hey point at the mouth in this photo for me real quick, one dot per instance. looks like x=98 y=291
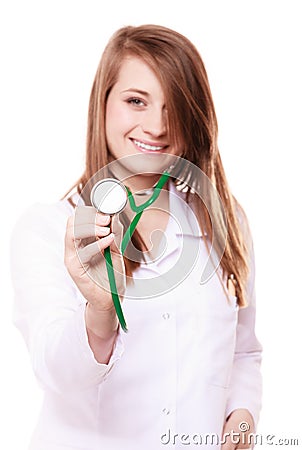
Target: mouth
x=148 y=147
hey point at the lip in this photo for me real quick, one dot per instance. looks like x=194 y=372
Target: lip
x=152 y=143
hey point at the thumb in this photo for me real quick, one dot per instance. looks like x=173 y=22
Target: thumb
x=226 y=441
x=118 y=231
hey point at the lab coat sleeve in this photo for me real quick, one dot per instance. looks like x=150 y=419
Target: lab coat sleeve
x=48 y=308
x=246 y=380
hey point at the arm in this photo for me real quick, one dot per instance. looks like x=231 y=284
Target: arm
x=246 y=380
x=87 y=268
x=245 y=392
x=102 y=331
x=49 y=310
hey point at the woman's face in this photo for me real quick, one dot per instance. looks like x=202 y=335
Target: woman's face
x=136 y=116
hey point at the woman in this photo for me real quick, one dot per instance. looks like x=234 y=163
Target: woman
x=189 y=366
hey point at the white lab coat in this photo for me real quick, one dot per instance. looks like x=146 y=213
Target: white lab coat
x=189 y=359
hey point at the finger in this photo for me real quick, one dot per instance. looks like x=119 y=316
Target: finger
x=102 y=219
x=227 y=443
x=226 y=440
x=89 y=230
x=117 y=229
x=86 y=253
x=88 y=214
x=76 y=235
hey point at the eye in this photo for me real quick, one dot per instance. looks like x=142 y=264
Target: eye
x=136 y=101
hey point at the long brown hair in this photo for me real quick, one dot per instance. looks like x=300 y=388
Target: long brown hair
x=191 y=119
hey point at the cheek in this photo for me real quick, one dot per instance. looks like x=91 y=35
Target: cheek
x=118 y=120
x=111 y=123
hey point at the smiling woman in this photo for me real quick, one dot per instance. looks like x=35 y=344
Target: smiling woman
x=191 y=361
x=137 y=100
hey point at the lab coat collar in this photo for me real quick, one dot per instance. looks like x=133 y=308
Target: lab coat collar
x=180 y=212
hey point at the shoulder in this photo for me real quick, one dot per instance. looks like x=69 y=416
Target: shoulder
x=43 y=219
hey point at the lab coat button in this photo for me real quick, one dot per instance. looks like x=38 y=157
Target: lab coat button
x=166 y=316
x=166 y=411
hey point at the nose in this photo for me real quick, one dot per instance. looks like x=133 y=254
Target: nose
x=154 y=122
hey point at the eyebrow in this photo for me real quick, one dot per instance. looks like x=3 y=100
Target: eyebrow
x=138 y=91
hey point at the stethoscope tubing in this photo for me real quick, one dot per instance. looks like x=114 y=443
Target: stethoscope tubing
x=125 y=241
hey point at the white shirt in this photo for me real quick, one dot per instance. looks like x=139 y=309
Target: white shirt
x=189 y=359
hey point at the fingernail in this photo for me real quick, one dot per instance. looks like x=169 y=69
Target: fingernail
x=104 y=231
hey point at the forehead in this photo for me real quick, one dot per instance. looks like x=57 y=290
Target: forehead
x=135 y=73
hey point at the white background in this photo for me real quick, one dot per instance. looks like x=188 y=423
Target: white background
x=252 y=51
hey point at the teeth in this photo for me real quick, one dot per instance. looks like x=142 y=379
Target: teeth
x=146 y=146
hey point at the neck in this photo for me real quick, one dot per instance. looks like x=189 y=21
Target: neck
x=137 y=183
x=131 y=171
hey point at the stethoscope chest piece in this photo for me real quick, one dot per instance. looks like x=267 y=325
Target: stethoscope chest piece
x=109 y=196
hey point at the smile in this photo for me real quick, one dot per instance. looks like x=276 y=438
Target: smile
x=148 y=147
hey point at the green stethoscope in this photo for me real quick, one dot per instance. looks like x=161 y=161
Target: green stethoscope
x=110 y=196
